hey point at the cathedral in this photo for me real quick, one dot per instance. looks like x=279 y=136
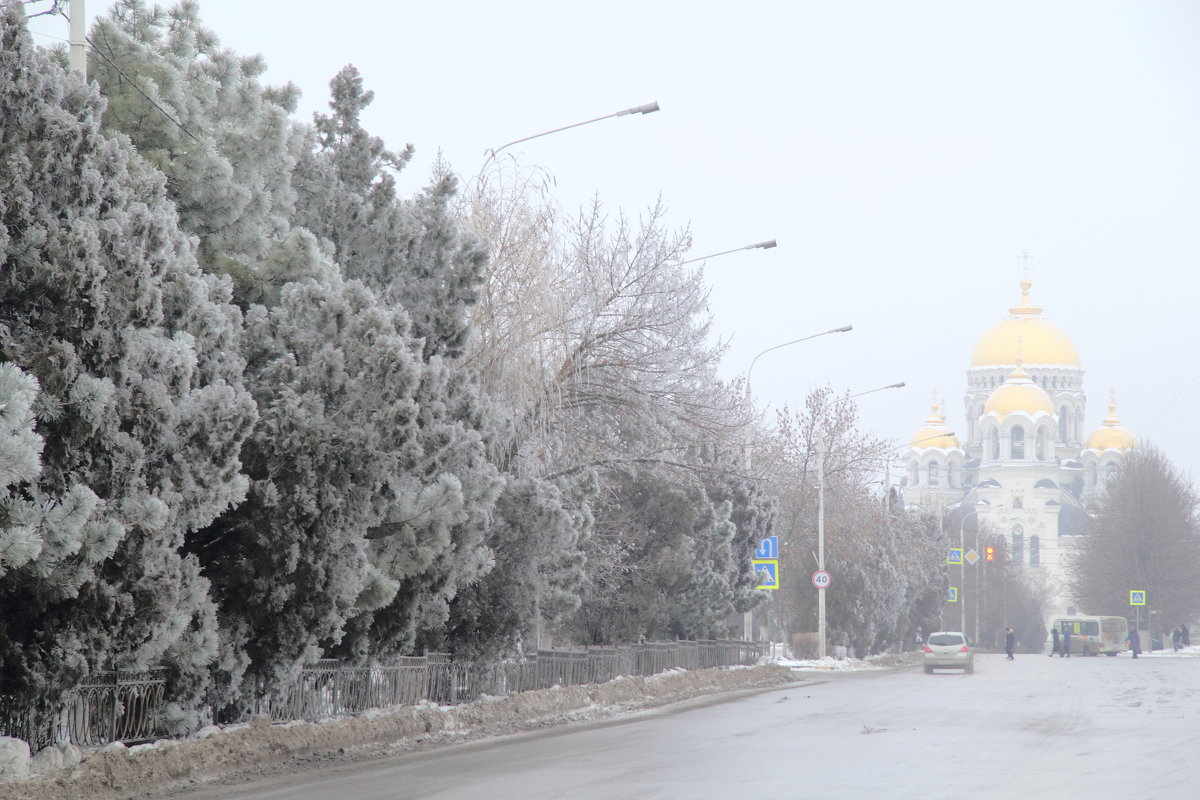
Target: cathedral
x=1022 y=465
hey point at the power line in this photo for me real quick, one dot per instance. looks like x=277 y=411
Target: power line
x=138 y=89
x=1183 y=391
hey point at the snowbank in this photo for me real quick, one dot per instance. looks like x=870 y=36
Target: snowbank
x=116 y=773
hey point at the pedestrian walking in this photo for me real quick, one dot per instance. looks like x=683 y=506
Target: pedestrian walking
x=1066 y=643
x=1135 y=642
x=1187 y=636
x=920 y=641
x=1176 y=639
x=1009 y=642
x=1055 y=643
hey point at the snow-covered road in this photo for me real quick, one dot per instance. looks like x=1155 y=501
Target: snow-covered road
x=1034 y=727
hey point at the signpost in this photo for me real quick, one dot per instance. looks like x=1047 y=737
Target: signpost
x=821 y=579
x=952 y=595
x=954 y=556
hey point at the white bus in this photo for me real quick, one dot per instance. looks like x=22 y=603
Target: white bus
x=1091 y=636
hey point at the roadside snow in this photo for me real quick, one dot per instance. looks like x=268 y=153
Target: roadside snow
x=259 y=748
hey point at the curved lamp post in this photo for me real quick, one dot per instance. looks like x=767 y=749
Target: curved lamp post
x=843 y=329
x=767 y=245
x=648 y=108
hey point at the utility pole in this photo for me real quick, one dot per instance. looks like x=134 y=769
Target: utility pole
x=820 y=443
x=77 y=36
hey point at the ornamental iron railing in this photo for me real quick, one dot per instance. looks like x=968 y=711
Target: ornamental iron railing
x=128 y=706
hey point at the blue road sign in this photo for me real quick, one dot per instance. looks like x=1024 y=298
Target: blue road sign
x=954 y=556
x=952 y=595
x=768 y=548
x=1137 y=597
x=767 y=571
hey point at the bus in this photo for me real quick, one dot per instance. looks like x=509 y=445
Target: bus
x=1091 y=636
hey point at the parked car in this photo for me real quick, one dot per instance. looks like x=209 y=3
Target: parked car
x=948 y=650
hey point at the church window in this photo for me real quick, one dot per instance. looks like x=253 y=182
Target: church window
x=1018 y=501
x=951 y=475
x=1035 y=551
x=933 y=474
x=995 y=444
x=1062 y=424
x=1018 y=544
x=1018 y=443
x=1041 y=445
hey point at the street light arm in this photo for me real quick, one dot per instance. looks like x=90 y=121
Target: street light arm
x=767 y=245
x=648 y=108
x=843 y=329
x=899 y=385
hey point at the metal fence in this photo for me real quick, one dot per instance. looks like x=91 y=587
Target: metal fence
x=128 y=706
x=121 y=705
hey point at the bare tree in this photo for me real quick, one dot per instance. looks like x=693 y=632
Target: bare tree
x=1144 y=535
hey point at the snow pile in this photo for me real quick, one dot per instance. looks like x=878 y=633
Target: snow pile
x=882 y=661
x=118 y=772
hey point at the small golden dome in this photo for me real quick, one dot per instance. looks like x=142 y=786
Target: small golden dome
x=1018 y=393
x=934 y=433
x=1042 y=342
x=1111 y=435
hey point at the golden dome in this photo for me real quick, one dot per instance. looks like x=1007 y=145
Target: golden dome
x=1018 y=393
x=1042 y=342
x=934 y=434
x=1111 y=435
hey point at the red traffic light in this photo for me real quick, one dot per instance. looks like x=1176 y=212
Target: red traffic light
x=991 y=553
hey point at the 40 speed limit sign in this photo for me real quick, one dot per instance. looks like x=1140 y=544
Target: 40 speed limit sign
x=821 y=579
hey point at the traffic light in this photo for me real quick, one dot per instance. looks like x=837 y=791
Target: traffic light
x=990 y=553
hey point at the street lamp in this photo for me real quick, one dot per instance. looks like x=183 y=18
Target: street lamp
x=899 y=385
x=649 y=108
x=843 y=329
x=767 y=245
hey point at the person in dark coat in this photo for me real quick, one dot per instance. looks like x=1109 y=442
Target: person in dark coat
x=1176 y=639
x=1187 y=636
x=1066 y=642
x=1056 y=645
x=1135 y=642
x=1009 y=642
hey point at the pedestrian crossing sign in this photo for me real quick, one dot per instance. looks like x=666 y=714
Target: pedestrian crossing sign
x=1137 y=597
x=952 y=595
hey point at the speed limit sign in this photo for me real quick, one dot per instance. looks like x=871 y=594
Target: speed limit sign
x=821 y=579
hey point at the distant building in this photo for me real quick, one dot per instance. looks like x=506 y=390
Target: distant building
x=1023 y=466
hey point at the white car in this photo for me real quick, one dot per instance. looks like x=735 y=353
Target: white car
x=948 y=650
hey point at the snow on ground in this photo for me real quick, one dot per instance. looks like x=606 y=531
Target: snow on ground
x=245 y=751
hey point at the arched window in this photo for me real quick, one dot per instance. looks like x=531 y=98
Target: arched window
x=952 y=479
x=933 y=474
x=1041 y=445
x=1062 y=424
x=1018 y=443
x=1035 y=551
x=995 y=445
x=1018 y=544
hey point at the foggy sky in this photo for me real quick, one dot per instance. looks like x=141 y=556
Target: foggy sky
x=904 y=156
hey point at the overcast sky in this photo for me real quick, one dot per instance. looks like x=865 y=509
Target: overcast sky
x=904 y=155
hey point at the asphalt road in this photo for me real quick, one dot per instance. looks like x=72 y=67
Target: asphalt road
x=1031 y=728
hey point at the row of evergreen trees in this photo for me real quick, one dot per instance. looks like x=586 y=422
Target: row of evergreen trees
x=257 y=409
